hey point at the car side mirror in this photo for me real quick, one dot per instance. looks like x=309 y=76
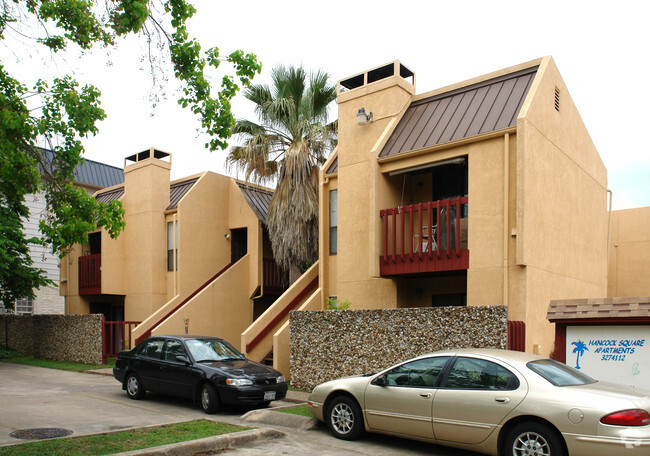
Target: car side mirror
x=380 y=381
x=183 y=359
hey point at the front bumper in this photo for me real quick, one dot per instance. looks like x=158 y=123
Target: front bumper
x=251 y=394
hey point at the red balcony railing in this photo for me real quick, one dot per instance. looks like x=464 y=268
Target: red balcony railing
x=90 y=274
x=116 y=336
x=425 y=237
x=275 y=279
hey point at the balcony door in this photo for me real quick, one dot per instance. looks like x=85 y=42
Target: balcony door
x=238 y=244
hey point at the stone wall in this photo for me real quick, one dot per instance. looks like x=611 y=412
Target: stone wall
x=75 y=338
x=331 y=344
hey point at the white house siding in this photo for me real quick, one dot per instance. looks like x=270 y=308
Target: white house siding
x=47 y=299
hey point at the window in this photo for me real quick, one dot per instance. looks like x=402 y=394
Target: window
x=422 y=373
x=172 y=247
x=334 y=220
x=479 y=374
x=24 y=306
x=173 y=349
x=153 y=349
x=559 y=374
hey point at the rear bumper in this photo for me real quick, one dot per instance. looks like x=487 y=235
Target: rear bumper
x=631 y=445
x=118 y=373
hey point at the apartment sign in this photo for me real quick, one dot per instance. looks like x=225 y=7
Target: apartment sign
x=619 y=354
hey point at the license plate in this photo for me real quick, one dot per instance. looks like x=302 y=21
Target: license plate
x=269 y=395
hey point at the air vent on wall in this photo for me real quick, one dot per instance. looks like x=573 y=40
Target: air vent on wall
x=557 y=99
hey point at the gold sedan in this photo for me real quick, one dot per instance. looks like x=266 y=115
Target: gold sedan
x=495 y=402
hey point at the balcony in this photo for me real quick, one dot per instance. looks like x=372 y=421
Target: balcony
x=90 y=274
x=425 y=238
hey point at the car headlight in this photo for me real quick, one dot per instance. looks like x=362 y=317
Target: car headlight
x=280 y=379
x=238 y=382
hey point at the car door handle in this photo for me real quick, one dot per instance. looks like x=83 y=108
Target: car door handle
x=425 y=395
x=502 y=400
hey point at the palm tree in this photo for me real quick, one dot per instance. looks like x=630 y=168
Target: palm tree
x=580 y=350
x=292 y=139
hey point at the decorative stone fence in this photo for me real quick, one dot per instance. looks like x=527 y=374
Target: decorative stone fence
x=336 y=343
x=75 y=338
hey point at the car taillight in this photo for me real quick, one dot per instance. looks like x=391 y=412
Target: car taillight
x=634 y=417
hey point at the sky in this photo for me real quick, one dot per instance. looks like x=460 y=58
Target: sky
x=600 y=49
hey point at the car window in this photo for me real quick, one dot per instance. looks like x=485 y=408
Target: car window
x=473 y=373
x=174 y=348
x=153 y=348
x=422 y=373
x=212 y=350
x=559 y=374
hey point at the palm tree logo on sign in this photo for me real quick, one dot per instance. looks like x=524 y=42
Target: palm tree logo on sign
x=579 y=350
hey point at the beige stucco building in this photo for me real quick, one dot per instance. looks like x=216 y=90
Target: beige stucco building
x=487 y=192
x=193 y=250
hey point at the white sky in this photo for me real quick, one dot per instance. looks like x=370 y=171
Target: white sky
x=600 y=48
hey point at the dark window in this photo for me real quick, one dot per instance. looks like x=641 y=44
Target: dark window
x=238 y=244
x=334 y=220
x=480 y=374
x=174 y=348
x=422 y=373
x=95 y=243
x=153 y=349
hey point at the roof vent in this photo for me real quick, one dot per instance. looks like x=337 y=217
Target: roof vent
x=377 y=74
x=557 y=99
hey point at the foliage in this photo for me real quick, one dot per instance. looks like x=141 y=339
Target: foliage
x=118 y=442
x=335 y=304
x=292 y=139
x=8 y=352
x=57 y=114
x=302 y=410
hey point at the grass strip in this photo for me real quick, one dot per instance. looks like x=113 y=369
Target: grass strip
x=134 y=439
x=14 y=357
x=303 y=410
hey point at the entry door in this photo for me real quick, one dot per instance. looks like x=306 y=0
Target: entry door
x=403 y=402
x=473 y=399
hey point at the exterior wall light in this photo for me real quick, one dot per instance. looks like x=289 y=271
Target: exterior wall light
x=227 y=236
x=363 y=118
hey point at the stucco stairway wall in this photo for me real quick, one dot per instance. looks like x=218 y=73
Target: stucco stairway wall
x=336 y=343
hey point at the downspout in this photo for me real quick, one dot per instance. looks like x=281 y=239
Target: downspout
x=609 y=222
x=175 y=268
x=260 y=260
x=506 y=215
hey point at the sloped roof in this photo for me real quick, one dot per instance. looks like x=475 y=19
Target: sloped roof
x=110 y=195
x=259 y=199
x=574 y=309
x=178 y=190
x=333 y=167
x=461 y=113
x=98 y=174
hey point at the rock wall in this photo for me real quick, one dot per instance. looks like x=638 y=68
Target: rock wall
x=75 y=338
x=336 y=343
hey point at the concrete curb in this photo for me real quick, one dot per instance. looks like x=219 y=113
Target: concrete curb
x=209 y=443
x=280 y=419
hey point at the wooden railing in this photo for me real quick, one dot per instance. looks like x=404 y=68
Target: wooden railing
x=425 y=237
x=90 y=274
x=116 y=336
x=517 y=335
x=275 y=280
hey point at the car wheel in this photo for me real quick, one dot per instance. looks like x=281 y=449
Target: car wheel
x=534 y=439
x=209 y=398
x=344 y=418
x=134 y=388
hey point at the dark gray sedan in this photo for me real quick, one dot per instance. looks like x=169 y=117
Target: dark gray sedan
x=207 y=370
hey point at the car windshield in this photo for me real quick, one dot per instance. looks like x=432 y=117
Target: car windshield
x=212 y=350
x=559 y=374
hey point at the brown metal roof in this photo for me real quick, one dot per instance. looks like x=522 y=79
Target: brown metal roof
x=333 y=167
x=178 y=190
x=259 y=199
x=573 y=309
x=110 y=195
x=468 y=111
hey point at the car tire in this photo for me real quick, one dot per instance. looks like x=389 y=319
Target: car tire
x=209 y=398
x=530 y=438
x=133 y=387
x=344 y=418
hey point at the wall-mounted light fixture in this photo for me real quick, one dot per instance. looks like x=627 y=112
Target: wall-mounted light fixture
x=363 y=118
x=227 y=236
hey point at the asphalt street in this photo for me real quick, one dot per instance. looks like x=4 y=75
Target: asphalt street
x=34 y=397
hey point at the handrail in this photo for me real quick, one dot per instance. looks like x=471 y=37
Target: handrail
x=185 y=301
x=280 y=315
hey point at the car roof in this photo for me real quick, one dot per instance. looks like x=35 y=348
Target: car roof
x=510 y=356
x=185 y=336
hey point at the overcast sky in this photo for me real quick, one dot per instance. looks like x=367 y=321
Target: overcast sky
x=600 y=48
